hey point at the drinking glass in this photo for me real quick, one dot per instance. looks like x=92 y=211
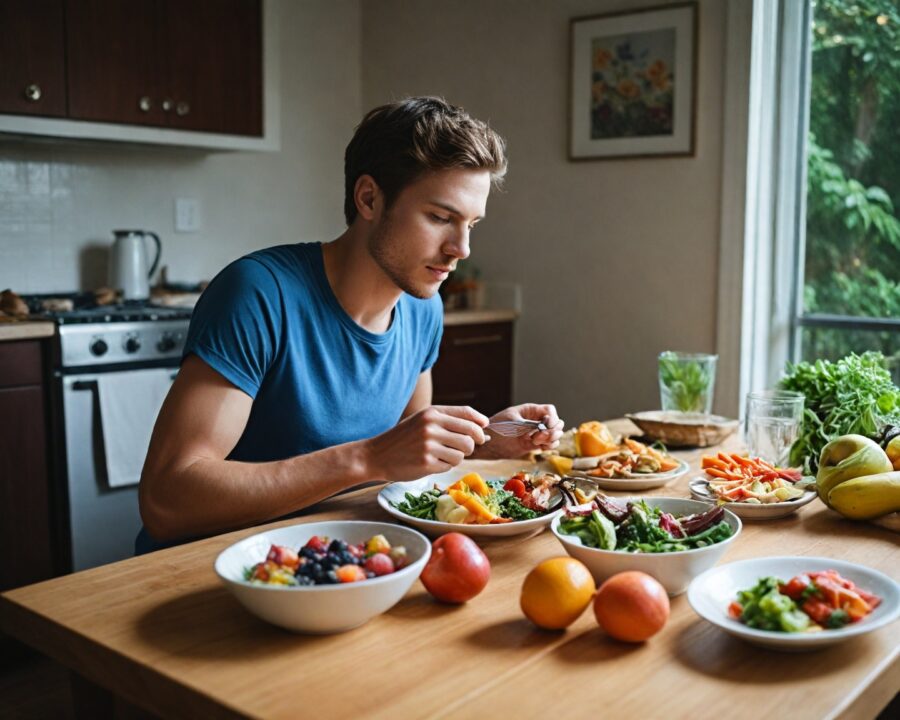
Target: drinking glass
x=773 y=424
x=687 y=381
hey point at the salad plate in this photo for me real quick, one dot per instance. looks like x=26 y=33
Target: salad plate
x=699 y=488
x=397 y=493
x=711 y=594
x=637 y=481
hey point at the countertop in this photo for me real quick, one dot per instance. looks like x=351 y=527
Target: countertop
x=474 y=317
x=163 y=632
x=26 y=330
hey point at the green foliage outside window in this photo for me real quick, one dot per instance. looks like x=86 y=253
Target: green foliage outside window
x=853 y=189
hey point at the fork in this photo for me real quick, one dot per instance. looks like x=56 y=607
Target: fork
x=516 y=428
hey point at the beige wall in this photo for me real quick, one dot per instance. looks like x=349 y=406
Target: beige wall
x=617 y=259
x=59 y=200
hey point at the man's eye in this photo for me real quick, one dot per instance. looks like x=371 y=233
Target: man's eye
x=440 y=219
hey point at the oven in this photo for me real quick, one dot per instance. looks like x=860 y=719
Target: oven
x=112 y=369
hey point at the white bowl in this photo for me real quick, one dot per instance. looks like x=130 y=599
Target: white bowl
x=321 y=609
x=395 y=492
x=711 y=593
x=674 y=570
x=638 y=481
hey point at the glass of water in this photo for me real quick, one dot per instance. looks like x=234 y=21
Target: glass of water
x=773 y=424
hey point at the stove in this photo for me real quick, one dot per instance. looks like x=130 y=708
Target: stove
x=112 y=366
x=134 y=333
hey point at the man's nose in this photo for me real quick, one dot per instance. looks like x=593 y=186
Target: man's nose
x=458 y=246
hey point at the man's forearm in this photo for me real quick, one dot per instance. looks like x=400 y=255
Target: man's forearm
x=201 y=496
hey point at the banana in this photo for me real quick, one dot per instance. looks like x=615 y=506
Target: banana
x=867 y=497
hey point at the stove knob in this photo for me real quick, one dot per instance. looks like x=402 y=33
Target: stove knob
x=166 y=344
x=99 y=347
x=132 y=345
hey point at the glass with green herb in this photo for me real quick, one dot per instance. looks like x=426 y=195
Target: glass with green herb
x=687 y=381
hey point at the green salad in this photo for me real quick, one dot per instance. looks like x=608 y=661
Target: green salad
x=639 y=528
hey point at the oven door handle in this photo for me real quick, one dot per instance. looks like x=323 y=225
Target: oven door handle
x=92 y=384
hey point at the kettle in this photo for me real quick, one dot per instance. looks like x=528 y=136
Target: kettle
x=129 y=264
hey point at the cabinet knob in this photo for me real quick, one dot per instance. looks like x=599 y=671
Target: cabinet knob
x=182 y=108
x=33 y=92
x=145 y=104
x=167 y=104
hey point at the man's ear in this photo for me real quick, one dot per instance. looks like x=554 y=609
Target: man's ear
x=368 y=197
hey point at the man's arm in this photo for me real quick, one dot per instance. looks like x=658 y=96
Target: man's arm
x=188 y=488
x=422 y=395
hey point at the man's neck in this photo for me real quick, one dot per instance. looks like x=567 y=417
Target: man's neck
x=361 y=287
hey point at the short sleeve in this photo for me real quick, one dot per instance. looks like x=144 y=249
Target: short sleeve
x=236 y=326
x=437 y=330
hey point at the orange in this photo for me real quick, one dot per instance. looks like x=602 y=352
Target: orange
x=631 y=606
x=556 y=592
x=594 y=438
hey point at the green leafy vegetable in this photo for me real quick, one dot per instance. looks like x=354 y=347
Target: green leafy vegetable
x=639 y=532
x=688 y=382
x=854 y=395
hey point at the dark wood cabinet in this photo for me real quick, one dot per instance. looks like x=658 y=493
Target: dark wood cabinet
x=32 y=63
x=113 y=51
x=475 y=366
x=25 y=533
x=185 y=64
x=214 y=74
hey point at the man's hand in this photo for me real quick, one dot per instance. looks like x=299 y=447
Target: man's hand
x=432 y=440
x=515 y=447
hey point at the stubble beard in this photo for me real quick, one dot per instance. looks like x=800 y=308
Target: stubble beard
x=387 y=254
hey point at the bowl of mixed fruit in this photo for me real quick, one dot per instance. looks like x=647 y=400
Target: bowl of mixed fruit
x=323 y=577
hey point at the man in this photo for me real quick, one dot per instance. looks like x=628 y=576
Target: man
x=307 y=368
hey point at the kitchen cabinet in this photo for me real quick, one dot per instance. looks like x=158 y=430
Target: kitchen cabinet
x=25 y=531
x=185 y=64
x=474 y=366
x=32 y=65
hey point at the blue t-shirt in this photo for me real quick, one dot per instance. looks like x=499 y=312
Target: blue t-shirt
x=271 y=325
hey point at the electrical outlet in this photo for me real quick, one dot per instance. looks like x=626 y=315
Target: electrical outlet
x=187 y=215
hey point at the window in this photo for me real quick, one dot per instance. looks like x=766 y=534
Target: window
x=848 y=295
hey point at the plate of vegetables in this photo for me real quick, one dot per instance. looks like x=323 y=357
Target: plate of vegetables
x=752 y=487
x=466 y=502
x=614 y=462
x=795 y=603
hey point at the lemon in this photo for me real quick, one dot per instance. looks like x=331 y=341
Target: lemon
x=561 y=465
x=556 y=592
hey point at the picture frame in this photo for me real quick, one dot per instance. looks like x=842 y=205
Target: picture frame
x=633 y=83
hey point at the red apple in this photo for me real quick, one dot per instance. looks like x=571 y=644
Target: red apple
x=458 y=569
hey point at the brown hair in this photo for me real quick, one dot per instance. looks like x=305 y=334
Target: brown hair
x=399 y=142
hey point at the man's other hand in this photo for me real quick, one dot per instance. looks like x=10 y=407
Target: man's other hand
x=515 y=447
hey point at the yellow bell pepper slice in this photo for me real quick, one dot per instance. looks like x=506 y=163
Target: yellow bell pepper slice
x=473 y=504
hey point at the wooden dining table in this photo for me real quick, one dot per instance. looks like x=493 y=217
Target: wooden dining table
x=162 y=633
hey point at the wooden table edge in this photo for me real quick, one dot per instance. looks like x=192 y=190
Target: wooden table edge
x=135 y=684
x=873 y=693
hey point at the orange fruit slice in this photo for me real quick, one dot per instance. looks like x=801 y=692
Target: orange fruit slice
x=556 y=592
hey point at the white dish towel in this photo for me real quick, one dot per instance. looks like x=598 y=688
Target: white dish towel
x=129 y=404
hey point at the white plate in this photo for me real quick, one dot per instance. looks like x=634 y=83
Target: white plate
x=640 y=482
x=710 y=594
x=395 y=493
x=751 y=511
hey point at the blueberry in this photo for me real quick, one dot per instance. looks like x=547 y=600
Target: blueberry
x=337 y=546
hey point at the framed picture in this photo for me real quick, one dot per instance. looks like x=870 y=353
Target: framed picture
x=633 y=83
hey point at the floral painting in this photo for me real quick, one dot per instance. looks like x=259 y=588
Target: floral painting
x=632 y=86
